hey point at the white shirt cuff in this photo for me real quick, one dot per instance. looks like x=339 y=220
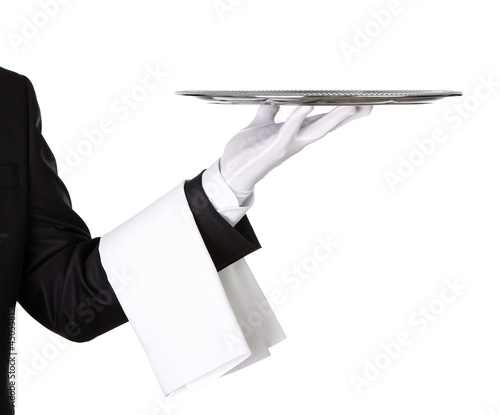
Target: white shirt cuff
x=222 y=197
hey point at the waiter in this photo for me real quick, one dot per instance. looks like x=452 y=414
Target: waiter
x=190 y=288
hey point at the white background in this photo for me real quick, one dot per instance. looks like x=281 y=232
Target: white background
x=397 y=247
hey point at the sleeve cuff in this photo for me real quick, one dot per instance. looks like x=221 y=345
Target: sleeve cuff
x=222 y=197
x=225 y=243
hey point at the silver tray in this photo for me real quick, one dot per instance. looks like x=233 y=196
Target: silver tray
x=322 y=97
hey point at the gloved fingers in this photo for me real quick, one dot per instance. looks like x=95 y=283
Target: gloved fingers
x=325 y=124
x=361 y=111
x=294 y=121
x=365 y=110
x=307 y=121
x=313 y=118
x=265 y=115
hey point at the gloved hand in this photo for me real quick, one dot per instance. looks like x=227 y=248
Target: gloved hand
x=264 y=144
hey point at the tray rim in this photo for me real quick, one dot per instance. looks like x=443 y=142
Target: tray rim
x=321 y=97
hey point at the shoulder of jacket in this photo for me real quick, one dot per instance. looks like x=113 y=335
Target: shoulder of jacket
x=7 y=75
x=13 y=87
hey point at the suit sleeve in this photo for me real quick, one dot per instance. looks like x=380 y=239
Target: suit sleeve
x=64 y=285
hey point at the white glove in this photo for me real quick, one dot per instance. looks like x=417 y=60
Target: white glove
x=264 y=144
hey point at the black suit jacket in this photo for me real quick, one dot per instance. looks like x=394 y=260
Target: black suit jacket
x=49 y=262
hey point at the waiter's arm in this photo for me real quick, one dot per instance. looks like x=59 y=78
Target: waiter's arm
x=65 y=286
